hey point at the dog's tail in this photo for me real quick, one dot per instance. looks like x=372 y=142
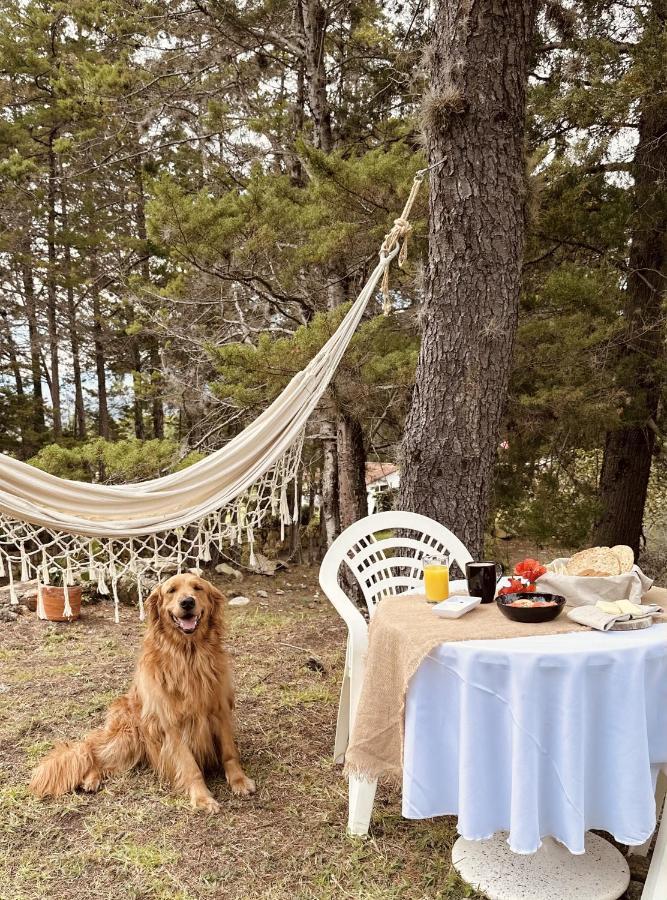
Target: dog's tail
x=63 y=770
x=116 y=747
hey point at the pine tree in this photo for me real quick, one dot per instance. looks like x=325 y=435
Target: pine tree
x=475 y=113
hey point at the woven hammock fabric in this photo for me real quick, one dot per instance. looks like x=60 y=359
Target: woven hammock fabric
x=175 y=500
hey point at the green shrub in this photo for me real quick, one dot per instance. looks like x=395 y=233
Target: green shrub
x=551 y=502
x=114 y=462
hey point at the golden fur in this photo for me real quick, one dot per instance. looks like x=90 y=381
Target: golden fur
x=177 y=716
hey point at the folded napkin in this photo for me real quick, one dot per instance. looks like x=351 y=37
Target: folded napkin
x=604 y=615
x=593 y=617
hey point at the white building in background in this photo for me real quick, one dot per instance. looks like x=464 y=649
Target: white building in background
x=380 y=478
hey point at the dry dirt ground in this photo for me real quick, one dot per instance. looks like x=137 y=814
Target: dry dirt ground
x=135 y=839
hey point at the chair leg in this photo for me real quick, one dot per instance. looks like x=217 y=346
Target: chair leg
x=656 y=879
x=660 y=792
x=343 y=723
x=362 y=795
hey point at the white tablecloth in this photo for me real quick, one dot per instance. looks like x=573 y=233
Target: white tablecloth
x=540 y=736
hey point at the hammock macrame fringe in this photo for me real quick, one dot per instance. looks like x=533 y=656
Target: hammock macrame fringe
x=44 y=554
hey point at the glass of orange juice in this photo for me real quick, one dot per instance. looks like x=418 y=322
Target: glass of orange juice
x=436 y=578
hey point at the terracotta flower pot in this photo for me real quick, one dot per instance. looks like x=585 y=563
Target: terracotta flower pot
x=53 y=601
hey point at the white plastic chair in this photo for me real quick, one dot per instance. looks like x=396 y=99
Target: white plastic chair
x=656 y=878
x=382 y=566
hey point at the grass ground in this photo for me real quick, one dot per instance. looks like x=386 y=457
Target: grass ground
x=135 y=840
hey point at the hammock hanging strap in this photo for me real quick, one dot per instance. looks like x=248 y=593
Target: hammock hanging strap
x=400 y=231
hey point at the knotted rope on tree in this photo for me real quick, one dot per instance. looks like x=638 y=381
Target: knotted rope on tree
x=401 y=232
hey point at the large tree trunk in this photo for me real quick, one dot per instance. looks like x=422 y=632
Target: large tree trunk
x=629 y=449
x=79 y=407
x=314 y=30
x=474 y=115
x=25 y=449
x=15 y=368
x=98 y=343
x=351 y=471
x=298 y=118
x=12 y=357
x=330 y=511
x=33 y=338
x=137 y=389
x=52 y=295
x=157 y=409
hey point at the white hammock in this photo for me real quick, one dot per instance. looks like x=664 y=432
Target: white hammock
x=161 y=524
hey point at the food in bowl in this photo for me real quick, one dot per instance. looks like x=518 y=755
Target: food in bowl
x=535 y=607
x=525 y=603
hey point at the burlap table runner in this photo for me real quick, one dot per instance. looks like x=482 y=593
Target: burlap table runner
x=404 y=630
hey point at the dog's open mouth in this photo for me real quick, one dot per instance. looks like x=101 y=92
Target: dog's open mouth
x=187 y=624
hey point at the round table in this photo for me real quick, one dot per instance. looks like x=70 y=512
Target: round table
x=539 y=738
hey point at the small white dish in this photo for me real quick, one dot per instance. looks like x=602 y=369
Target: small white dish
x=455 y=607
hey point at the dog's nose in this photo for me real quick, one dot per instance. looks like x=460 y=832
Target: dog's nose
x=188 y=604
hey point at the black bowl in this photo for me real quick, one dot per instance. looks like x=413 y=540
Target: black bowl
x=530 y=613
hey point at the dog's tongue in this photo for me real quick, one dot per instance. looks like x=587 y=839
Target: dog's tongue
x=188 y=624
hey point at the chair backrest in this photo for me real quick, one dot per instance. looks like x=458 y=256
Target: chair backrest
x=384 y=553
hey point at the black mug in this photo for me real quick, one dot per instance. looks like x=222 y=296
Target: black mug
x=482 y=578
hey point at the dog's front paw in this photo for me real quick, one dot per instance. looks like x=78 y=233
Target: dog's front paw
x=205 y=803
x=91 y=782
x=242 y=786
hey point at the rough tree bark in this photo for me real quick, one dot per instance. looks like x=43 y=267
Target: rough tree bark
x=79 y=407
x=137 y=389
x=314 y=19
x=12 y=356
x=474 y=116
x=157 y=408
x=98 y=343
x=330 y=509
x=33 y=338
x=52 y=294
x=629 y=449
x=15 y=368
x=351 y=471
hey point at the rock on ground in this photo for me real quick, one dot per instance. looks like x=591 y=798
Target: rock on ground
x=265 y=566
x=26 y=592
x=224 y=569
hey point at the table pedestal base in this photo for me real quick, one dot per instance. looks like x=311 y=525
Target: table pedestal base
x=553 y=873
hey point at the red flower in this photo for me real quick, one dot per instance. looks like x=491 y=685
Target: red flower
x=530 y=569
x=516 y=586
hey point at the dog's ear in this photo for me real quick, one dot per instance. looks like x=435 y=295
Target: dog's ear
x=151 y=604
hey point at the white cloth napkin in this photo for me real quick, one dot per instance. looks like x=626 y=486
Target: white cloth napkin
x=604 y=615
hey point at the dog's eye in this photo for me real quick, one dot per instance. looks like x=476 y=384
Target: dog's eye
x=171 y=590
x=197 y=587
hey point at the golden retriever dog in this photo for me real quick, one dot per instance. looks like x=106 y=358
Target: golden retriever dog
x=177 y=716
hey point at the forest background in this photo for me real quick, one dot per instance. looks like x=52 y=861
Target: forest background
x=190 y=193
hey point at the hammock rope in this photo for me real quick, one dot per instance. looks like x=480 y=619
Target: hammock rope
x=400 y=231
x=51 y=526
